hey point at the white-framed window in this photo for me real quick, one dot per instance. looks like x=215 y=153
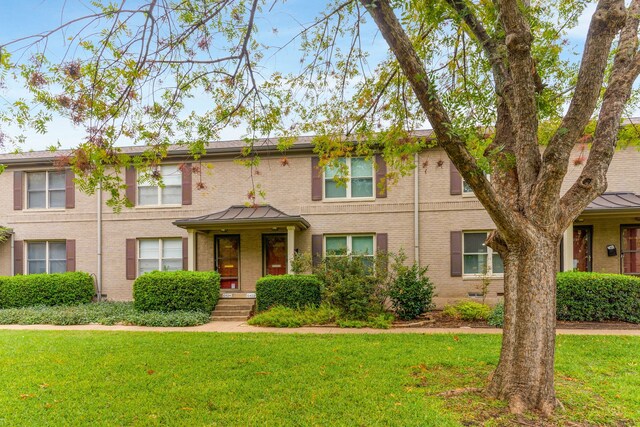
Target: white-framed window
x=159 y=255
x=151 y=194
x=351 y=178
x=46 y=190
x=349 y=245
x=478 y=258
x=46 y=257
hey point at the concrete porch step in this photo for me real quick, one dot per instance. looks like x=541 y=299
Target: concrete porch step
x=229 y=318
x=236 y=302
x=232 y=312
x=233 y=309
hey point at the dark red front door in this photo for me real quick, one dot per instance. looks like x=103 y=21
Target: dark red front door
x=275 y=254
x=631 y=249
x=228 y=261
x=582 y=248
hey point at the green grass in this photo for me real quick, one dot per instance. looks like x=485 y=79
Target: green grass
x=116 y=378
x=105 y=313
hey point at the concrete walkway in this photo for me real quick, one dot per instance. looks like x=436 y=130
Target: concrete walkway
x=236 y=327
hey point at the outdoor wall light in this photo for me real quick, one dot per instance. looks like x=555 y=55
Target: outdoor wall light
x=611 y=250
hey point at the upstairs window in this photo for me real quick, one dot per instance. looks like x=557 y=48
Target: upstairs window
x=352 y=178
x=466 y=188
x=159 y=255
x=479 y=259
x=46 y=190
x=46 y=257
x=150 y=193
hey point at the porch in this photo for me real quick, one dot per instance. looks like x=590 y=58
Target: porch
x=243 y=244
x=605 y=238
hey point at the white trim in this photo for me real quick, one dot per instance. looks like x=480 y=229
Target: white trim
x=489 y=254
x=160 y=259
x=349 y=244
x=47 y=259
x=348 y=183
x=47 y=190
x=159 y=189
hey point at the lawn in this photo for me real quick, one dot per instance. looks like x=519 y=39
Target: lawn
x=117 y=378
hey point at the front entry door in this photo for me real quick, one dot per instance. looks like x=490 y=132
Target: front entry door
x=582 y=236
x=274 y=250
x=631 y=249
x=228 y=261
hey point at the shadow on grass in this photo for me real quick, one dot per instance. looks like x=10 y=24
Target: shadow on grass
x=581 y=405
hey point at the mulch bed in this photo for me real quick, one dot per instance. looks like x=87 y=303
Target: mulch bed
x=435 y=319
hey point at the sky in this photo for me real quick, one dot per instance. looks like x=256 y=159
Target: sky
x=27 y=17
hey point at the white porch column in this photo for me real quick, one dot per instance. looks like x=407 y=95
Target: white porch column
x=567 y=249
x=290 y=246
x=191 y=250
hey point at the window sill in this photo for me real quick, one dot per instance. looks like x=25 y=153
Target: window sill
x=476 y=277
x=469 y=195
x=349 y=200
x=143 y=207
x=41 y=210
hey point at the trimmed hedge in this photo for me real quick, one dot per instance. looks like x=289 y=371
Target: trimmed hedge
x=293 y=291
x=177 y=290
x=46 y=289
x=594 y=297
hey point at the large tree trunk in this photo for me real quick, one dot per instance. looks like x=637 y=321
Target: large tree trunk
x=524 y=376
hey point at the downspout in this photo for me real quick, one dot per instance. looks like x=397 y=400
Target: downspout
x=416 y=211
x=13 y=254
x=99 y=246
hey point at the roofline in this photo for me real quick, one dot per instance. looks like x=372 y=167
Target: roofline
x=185 y=223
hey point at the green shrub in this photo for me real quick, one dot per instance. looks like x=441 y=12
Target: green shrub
x=468 y=310
x=287 y=317
x=104 y=313
x=288 y=290
x=177 y=290
x=353 y=285
x=595 y=297
x=411 y=292
x=496 y=318
x=46 y=289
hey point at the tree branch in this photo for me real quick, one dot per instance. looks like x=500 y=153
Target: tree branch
x=605 y=23
x=427 y=95
x=626 y=67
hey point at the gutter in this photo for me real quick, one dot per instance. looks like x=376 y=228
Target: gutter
x=99 y=245
x=13 y=254
x=416 y=211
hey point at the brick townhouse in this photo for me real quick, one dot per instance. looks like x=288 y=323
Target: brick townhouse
x=431 y=214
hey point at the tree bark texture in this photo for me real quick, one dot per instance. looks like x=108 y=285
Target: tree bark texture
x=524 y=376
